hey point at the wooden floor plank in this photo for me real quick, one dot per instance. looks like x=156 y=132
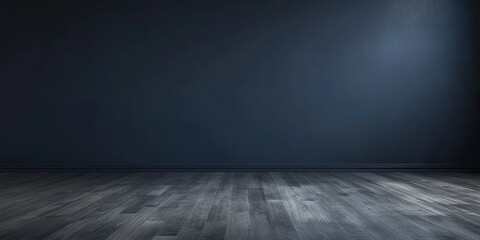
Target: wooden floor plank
x=239 y=205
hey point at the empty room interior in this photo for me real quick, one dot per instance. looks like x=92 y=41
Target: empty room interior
x=252 y=119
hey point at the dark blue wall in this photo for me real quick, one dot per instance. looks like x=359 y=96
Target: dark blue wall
x=239 y=83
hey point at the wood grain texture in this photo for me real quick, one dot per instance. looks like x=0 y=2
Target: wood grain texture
x=240 y=205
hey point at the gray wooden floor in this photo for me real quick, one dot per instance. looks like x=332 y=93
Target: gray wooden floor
x=239 y=205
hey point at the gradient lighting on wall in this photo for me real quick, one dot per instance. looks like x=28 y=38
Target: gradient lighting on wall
x=195 y=84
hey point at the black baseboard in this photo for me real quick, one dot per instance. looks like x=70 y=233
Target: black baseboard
x=163 y=168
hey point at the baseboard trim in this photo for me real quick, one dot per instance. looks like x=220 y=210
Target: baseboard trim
x=303 y=168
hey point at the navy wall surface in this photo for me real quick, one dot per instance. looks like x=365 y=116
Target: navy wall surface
x=245 y=83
